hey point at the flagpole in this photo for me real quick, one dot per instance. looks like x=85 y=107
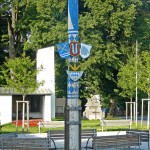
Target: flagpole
x=136 y=83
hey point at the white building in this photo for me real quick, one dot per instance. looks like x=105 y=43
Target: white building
x=42 y=101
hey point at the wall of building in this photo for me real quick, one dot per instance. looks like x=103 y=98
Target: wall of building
x=47 y=111
x=45 y=59
x=60 y=106
x=5 y=109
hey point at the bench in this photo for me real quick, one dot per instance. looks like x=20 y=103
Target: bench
x=13 y=134
x=56 y=135
x=25 y=143
x=106 y=123
x=51 y=124
x=116 y=141
x=8 y=135
x=144 y=135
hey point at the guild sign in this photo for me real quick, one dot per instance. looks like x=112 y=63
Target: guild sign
x=74 y=49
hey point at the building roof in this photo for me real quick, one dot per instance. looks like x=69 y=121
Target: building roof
x=12 y=91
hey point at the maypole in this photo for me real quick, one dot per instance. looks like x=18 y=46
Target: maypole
x=71 y=51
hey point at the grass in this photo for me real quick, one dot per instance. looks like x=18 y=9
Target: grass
x=85 y=124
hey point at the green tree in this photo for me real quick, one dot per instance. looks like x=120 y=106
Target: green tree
x=30 y=25
x=127 y=79
x=107 y=26
x=20 y=74
x=141 y=27
x=61 y=77
x=16 y=15
x=110 y=26
x=144 y=72
x=49 y=26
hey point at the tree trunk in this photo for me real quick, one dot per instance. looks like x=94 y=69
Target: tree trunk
x=11 y=40
x=11 y=30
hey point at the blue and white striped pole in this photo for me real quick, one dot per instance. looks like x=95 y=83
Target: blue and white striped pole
x=71 y=51
x=73 y=86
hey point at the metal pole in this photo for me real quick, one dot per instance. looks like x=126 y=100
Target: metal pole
x=148 y=115
x=27 y=116
x=149 y=112
x=134 y=111
x=136 y=84
x=126 y=111
x=23 y=111
x=142 y=113
x=131 y=112
x=17 y=116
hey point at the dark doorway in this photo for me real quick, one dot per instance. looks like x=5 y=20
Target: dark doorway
x=35 y=105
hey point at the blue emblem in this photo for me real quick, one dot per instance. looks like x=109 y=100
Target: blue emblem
x=74 y=75
x=85 y=50
x=63 y=49
x=74 y=49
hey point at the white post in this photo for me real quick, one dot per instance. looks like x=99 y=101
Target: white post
x=126 y=111
x=23 y=112
x=27 y=116
x=149 y=112
x=47 y=110
x=148 y=116
x=136 y=83
x=142 y=113
x=134 y=111
x=17 y=116
x=25 y=103
x=131 y=112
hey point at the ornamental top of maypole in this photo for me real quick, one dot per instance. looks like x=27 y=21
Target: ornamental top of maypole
x=72 y=49
x=73 y=15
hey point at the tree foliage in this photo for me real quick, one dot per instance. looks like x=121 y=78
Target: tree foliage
x=127 y=79
x=14 y=14
x=20 y=74
x=110 y=26
x=49 y=26
x=144 y=72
